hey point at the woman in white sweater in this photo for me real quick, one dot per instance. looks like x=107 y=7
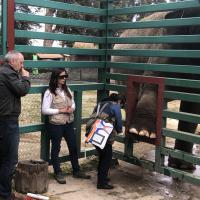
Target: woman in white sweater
x=58 y=104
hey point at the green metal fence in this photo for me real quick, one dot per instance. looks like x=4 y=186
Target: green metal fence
x=78 y=89
x=160 y=151
x=106 y=27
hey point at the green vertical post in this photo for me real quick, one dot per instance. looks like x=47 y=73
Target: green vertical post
x=104 y=33
x=128 y=146
x=159 y=158
x=45 y=141
x=77 y=118
x=45 y=145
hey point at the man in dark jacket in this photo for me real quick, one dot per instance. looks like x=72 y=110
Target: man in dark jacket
x=14 y=83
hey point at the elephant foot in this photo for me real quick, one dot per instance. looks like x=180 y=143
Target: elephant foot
x=133 y=130
x=143 y=132
x=146 y=133
x=180 y=164
x=143 y=124
x=152 y=135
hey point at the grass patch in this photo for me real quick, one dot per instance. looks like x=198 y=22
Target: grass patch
x=86 y=165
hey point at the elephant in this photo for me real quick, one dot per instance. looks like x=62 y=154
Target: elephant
x=144 y=119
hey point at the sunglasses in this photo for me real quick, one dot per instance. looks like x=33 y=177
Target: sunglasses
x=63 y=76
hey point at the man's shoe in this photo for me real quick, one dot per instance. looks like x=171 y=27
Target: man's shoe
x=105 y=186
x=60 y=178
x=82 y=175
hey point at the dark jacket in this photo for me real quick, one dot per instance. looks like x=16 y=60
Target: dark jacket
x=12 y=87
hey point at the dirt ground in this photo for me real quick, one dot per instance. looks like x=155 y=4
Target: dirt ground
x=130 y=182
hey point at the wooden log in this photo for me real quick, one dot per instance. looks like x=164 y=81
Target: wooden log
x=31 y=176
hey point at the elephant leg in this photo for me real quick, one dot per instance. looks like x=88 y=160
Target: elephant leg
x=145 y=114
x=186 y=127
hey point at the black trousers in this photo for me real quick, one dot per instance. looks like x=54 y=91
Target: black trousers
x=9 y=142
x=105 y=158
x=56 y=133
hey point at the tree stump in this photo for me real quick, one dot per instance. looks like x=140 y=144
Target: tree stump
x=31 y=176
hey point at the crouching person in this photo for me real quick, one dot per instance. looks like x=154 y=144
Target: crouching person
x=110 y=111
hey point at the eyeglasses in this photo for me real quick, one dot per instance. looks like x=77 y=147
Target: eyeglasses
x=63 y=76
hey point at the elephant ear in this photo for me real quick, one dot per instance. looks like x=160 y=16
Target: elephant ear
x=174 y=14
x=186 y=30
x=194 y=12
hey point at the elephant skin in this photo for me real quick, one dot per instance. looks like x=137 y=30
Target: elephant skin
x=145 y=114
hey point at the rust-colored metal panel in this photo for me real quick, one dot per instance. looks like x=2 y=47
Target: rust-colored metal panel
x=133 y=82
x=10 y=25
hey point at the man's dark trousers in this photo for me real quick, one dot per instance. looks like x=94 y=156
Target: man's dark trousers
x=9 y=142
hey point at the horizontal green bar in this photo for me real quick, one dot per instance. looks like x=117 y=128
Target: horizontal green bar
x=168 y=81
x=156 y=23
x=67 y=64
x=182 y=82
x=182 y=96
x=183 y=116
x=58 y=36
x=118 y=88
x=180 y=155
x=188 y=137
x=37 y=89
x=181 y=175
x=147 y=164
x=59 y=21
x=117 y=76
x=80 y=155
x=120 y=138
x=31 y=128
x=54 y=50
x=85 y=87
x=154 y=39
x=190 y=69
x=63 y=6
x=156 y=53
x=153 y=8
x=73 y=87
x=87 y=153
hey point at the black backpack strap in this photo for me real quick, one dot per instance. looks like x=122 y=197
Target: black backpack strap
x=102 y=108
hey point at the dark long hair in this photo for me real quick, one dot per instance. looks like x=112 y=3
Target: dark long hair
x=53 y=83
x=116 y=97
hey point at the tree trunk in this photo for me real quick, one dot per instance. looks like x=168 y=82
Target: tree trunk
x=31 y=176
x=49 y=28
